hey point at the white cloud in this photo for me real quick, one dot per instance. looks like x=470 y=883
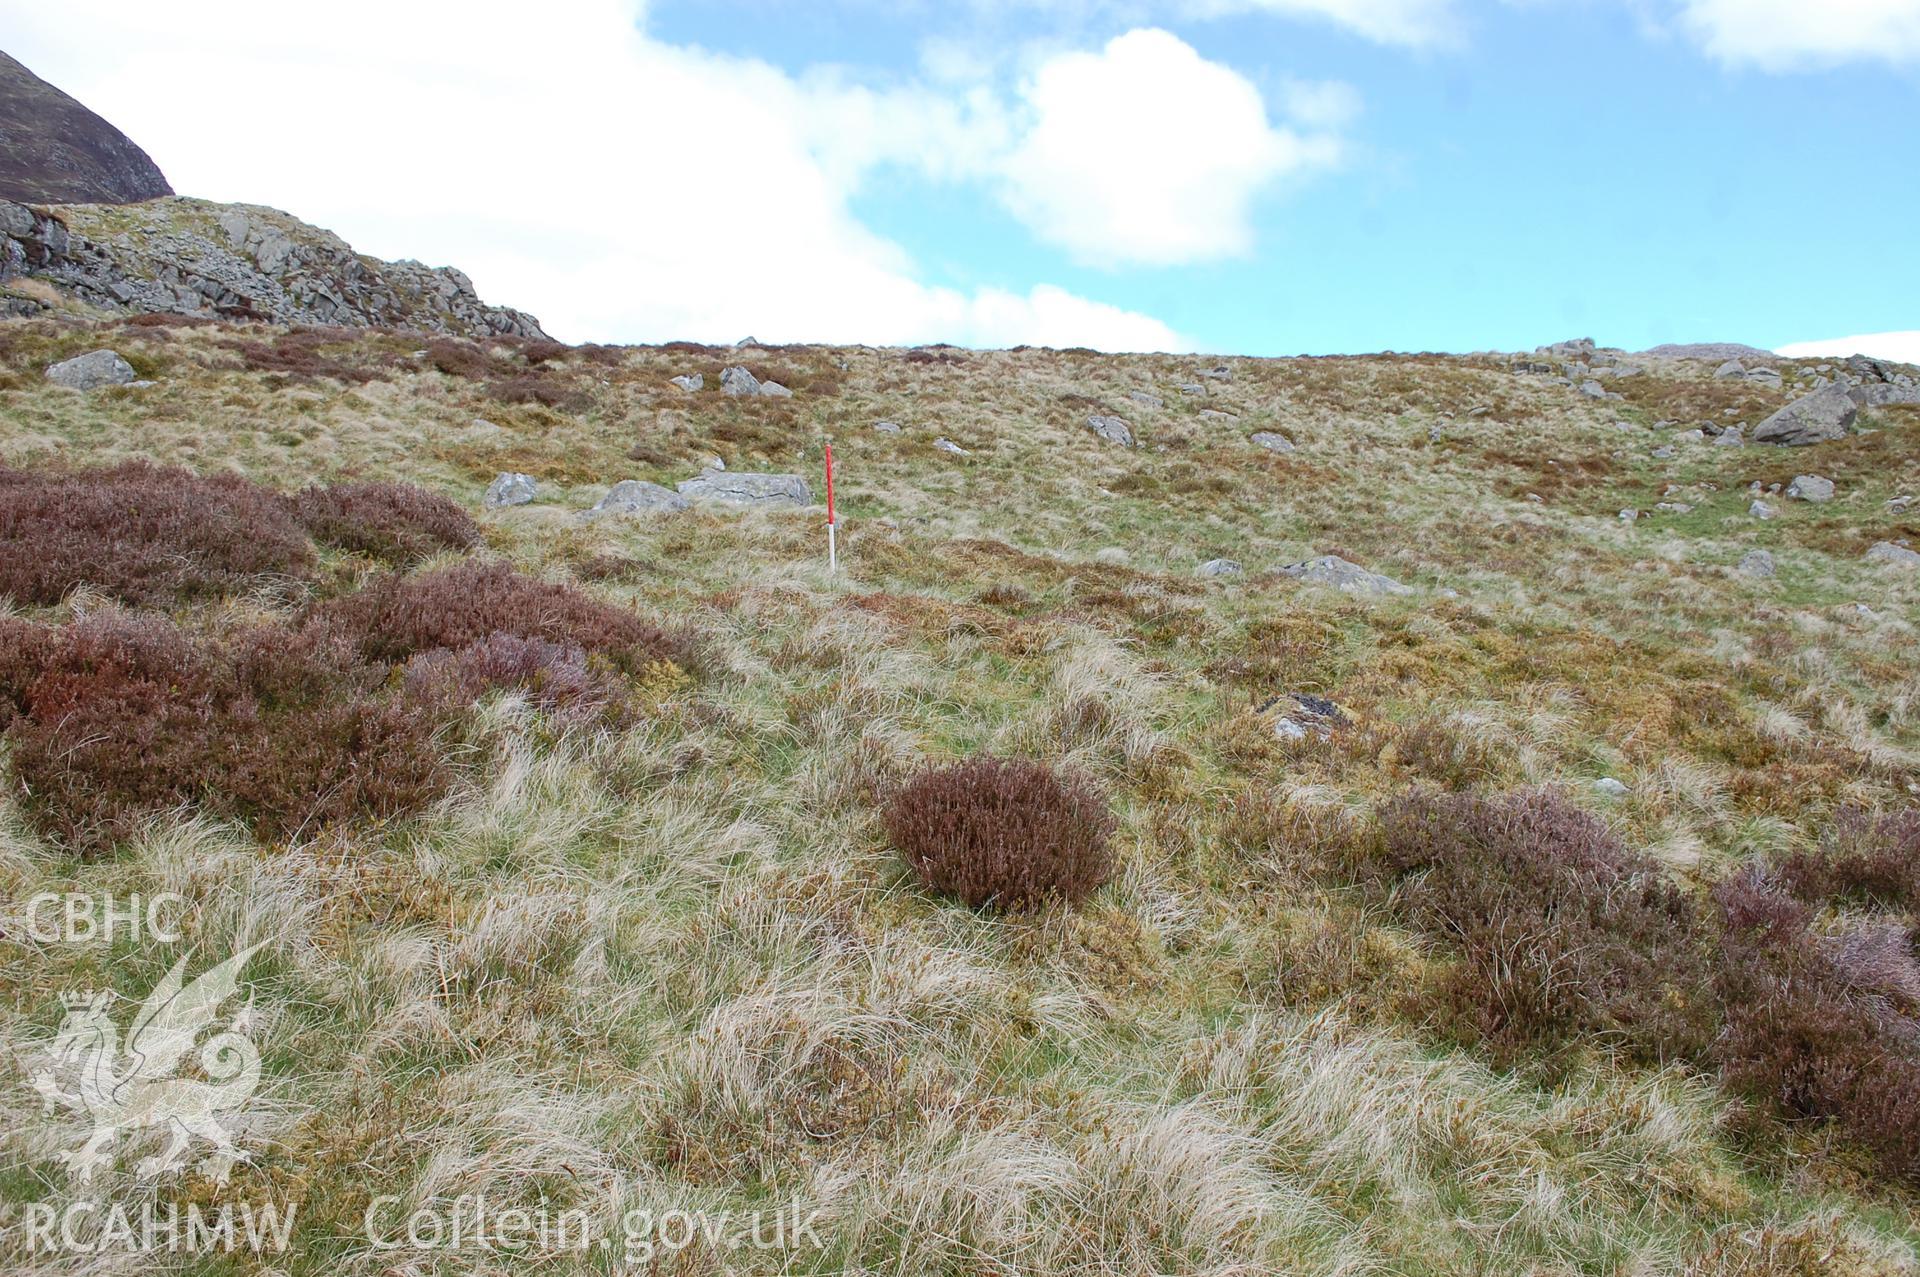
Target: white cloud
x=1785 y=35
x=1902 y=347
x=1146 y=152
x=1412 y=23
x=619 y=187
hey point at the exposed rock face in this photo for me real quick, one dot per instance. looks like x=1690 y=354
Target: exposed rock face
x=1714 y=350
x=748 y=489
x=91 y=371
x=236 y=261
x=1825 y=414
x=1331 y=569
x=738 y=381
x=55 y=151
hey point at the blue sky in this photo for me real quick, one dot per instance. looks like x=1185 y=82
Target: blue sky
x=1245 y=176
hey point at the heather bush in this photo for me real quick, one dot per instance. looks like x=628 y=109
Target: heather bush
x=142 y=533
x=395 y=522
x=126 y=716
x=1866 y=858
x=304 y=354
x=458 y=606
x=1006 y=833
x=555 y=676
x=534 y=388
x=1810 y=1029
x=458 y=358
x=1563 y=934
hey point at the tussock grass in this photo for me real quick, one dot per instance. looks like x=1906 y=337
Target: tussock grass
x=670 y=957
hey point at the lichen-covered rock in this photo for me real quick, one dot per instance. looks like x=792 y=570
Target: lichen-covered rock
x=1810 y=487
x=637 y=496
x=738 y=381
x=1815 y=418
x=757 y=490
x=1331 y=569
x=1898 y=555
x=509 y=488
x=91 y=371
x=1112 y=429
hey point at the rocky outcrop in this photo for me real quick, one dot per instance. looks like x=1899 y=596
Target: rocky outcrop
x=1816 y=418
x=53 y=150
x=234 y=261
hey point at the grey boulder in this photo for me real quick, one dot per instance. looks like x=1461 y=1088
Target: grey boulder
x=1146 y=399
x=637 y=496
x=1331 y=569
x=775 y=389
x=1815 y=418
x=1756 y=563
x=1221 y=567
x=1888 y=552
x=1112 y=429
x=508 y=488
x=1810 y=487
x=887 y=427
x=757 y=490
x=1270 y=441
x=691 y=381
x=91 y=371
x=738 y=381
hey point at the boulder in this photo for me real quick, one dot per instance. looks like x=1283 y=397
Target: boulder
x=691 y=381
x=1608 y=787
x=775 y=389
x=1191 y=388
x=508 y=489
x=91 y=371
x=1331 y=569
x=1756 y=563
x=757 y=490
x=1297 y=716
x=1221 y=567
x=1146 y=399
x=1760 y=510
x=738 y=381
x=1732 y=368
x=1112 y=429
x=1593 y=389
x=1888 y=552
x=1731 y=437
x=1270 y=441
x=947 y=445
x=1810 y=487
x=637 y=496
x=887 y=427
x=1815 y=418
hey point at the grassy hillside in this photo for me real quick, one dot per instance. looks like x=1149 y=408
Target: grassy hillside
x=1330 y=1015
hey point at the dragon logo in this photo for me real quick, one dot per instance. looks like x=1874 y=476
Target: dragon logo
x=126 y=1091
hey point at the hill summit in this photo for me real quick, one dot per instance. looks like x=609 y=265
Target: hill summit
x=53 y=150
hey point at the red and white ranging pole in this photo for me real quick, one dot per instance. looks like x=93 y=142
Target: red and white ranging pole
x=833 y=547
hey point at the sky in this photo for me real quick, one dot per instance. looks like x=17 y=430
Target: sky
x=1260 y=177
